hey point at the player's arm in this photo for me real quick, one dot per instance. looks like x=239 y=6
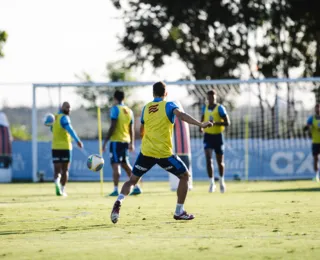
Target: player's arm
x=131 y=132
x=308 y=126
x=66 y=124
x=224 y=116
x=142 y=123
x=114 y=114
x=109 y=133
x=202 y=117
x=189 y=119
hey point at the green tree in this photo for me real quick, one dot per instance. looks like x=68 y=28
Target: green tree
x=3 y=39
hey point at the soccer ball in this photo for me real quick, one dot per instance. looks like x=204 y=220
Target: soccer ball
x=95 y=162
x=48 y=120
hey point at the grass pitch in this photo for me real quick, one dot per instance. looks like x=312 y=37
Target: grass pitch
x=255 y=220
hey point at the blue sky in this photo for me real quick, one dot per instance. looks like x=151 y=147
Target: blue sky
x=52 y=40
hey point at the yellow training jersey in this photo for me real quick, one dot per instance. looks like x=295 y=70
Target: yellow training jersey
x=124 y=117
x=158 y=129
x=61 y=138
x=315 y=130
x=213 y=115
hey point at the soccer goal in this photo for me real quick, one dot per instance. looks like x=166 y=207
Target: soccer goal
x=265 y=140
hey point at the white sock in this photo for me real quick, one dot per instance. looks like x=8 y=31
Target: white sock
x=121 y=197
x=57 y=181
x=115 y=188
x=62 y=188
x=136 y=186
x=222 y=179
x=179 y=209
x=317 y=174
x=211 y=180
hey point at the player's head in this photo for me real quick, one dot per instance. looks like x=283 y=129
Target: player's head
x=119 y=96
x=65 y=108
x=317 y=109
x=212 y=97
x=159 y=89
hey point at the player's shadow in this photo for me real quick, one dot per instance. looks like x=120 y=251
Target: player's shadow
x=313 y=189
x=58 y=229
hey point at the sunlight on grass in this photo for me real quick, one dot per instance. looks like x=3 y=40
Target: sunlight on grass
x=256 y=220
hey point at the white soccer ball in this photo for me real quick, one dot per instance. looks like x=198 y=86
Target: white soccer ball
x=95 y=162
x=48 y=120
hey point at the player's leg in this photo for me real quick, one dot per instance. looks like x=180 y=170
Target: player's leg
x=64 y=177
x=128 y=169
x=57 y=176
x=116 y=172
x=220 y=162
x=176 y=166
x=65 y=164
x=209 y=164
x=57 y=171
x=315 y=152
x=142 y=165
x=125 y=164
x=115 y=165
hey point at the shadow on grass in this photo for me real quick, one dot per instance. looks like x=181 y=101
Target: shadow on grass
x=58 y=229
x=313 y=189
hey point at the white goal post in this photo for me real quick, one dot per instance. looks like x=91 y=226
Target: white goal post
x=242 y=95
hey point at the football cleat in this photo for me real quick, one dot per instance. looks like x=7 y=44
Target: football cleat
x=136 y=191
x=115 y=213
x=212 y=187
x=114 y=193
x=183 y=216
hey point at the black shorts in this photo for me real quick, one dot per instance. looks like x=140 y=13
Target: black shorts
x=61 y=156
x=214 y=142
x=171 y=164
x=315 y=149
x=119 y=152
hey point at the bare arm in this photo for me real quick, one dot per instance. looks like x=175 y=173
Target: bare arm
x=142 y=130
x=190 y=120
x=226 y=121
x=131 y=131
x=306 y=128
x=110 y=132
x=202 y=119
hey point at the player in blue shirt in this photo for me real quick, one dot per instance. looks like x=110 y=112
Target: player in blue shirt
x=213 y=138
x=62 y=135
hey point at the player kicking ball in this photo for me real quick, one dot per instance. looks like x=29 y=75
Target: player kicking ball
x=157 y=121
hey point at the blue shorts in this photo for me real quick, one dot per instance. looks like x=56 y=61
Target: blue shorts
x=214 y=142
x=119 y=152
x=315 y=149
x=171 y=164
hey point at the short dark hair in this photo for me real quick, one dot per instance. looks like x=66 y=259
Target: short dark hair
x=211 y=92
x=119 y=95
x=159 y=89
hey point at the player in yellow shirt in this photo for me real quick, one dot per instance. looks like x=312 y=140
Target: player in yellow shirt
x=313 y=125
x=62 y=133
x=157 y=121
x=121 y=136
x=213 y=138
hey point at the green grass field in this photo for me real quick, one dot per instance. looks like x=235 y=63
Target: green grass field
x=255 y=220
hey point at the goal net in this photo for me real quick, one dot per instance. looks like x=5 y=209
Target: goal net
x=265 y=140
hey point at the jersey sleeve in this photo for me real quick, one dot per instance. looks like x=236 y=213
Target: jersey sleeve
x=222 y=111
x=170 y=107
x=203 y=109
x=65 y=120
x=309 y=121
x=142 y=113
x=114 y=112
x=66 y=124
